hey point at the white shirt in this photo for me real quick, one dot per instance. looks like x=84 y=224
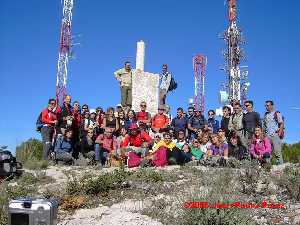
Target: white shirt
x=165 y=81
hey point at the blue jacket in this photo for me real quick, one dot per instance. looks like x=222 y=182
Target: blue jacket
x=63 y=145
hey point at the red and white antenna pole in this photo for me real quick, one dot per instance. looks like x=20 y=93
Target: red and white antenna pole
x=64 y=51
x=199 y=66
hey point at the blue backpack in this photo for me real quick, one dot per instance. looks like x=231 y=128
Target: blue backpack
x=39 y=124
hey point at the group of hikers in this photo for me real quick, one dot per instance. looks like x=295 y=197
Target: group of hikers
x=120 y=135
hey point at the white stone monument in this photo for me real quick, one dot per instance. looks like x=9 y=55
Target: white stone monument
x=144 y=84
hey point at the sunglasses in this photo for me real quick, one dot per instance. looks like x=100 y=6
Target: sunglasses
x=247 y=105
x=143 y=105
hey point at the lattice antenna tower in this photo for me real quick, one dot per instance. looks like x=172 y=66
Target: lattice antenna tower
x=236 y=86
x=199 y=66
x=64 y=51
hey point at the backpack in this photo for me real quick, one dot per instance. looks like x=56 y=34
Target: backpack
x=281 y=134
x=39 y=124
x=173 y=84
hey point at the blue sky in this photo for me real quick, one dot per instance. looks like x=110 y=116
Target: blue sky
x=173 y=32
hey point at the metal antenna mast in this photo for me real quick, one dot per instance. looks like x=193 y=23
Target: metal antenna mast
x=64 y=51
x=199 y=66
x=236 y=86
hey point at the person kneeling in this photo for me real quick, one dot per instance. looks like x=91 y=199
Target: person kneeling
x=137 y=144
x=105 y=145
x=261 y=148
x=64 y=148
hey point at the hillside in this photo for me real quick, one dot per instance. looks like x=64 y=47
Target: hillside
x=156 y=196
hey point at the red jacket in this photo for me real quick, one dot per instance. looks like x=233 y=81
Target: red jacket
x=77 y=119
x=137 y=140
x=48 y=117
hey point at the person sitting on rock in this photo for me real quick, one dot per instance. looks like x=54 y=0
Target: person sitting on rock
x=105 y=145
x=157 y=139
x=137 y=141
x=186 y=152
x=87 y=146
x=196 y=150
x=174 y=154
x=236 y=149
x=217 y=148
x=204 y=142
x=64 y=148
x=260 y=148
x=181 y=139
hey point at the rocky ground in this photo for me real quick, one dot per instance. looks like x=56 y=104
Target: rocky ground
x=156 y=196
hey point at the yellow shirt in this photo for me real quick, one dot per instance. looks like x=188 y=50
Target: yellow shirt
x=161 y=143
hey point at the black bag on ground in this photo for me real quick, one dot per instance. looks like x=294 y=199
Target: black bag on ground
x=8 y=164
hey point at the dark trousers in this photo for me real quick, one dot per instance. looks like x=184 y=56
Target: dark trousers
x=175 y=156
x=47 y=135
x=101 y=154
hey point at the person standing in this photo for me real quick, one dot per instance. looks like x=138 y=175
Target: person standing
x=251 y=120
x=274 y=129
x=165 y=80
x=49 y=120
x=66 y=117
x=179 y=123
x=213 y=124
x=196 y=122
x=225 y=120
x=235 y=124
x=124 y=76
x=143 y=117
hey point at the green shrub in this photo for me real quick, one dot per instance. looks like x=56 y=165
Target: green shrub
x=91 y=185
x=290 y=181
x=36 y=165
x=291 y=153
x=147 y=176
x=211 y=216
x=31 y=149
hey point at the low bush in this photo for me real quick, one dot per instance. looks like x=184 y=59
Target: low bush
x=290 y=181
x=36 y=164
x=147 y=176
x=91 y=185
x=31 y=149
